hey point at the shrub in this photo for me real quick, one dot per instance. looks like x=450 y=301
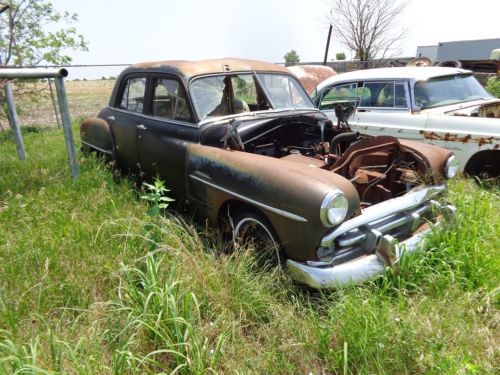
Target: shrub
x=493 y=86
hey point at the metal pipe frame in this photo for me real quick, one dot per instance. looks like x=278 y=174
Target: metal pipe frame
x=58 y=75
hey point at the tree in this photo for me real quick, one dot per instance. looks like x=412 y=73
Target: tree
x=291 y=58
x=340 y=56
x=25 y=38
x=368 y=27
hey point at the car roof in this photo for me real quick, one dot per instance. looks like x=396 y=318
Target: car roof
x=417 y=73
x=194 y=68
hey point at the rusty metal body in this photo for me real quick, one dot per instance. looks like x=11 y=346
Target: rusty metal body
x=273 y=160
x=311 y=75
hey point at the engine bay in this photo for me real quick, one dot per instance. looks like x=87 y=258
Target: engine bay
x=380 y=167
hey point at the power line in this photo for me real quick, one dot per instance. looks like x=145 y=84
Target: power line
x=66 y=66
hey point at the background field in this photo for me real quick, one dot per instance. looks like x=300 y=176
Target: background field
x=85 y=98
x=82 y=289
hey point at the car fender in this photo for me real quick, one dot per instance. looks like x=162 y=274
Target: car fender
x=96 y=134
x=465 y=135
x=289 y=194
x=435 y=156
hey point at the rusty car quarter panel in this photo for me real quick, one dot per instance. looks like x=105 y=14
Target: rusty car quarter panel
x=242 y=143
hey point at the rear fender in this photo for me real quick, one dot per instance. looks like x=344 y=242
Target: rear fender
x=97 y=135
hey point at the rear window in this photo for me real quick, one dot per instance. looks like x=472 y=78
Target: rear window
x=448 y=90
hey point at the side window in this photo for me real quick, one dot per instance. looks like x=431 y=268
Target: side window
x=383 y=95
x=400 y=96
x=132 y=98
x=169 y=100
x=342 y=94
x=245 y=93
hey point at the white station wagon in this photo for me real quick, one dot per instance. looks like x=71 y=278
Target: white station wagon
x=446 y=107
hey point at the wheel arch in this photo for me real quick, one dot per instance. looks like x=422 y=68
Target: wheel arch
x=231 y=207
x=484 y=160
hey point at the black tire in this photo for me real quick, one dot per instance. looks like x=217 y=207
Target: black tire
x=484 y=165
x=252 y=229
x=420 y=61
x=450 y=64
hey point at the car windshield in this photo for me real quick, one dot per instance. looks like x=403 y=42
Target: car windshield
x=223 y=95
x=448 y=90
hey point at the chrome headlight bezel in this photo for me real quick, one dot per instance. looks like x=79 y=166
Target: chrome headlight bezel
x=451 y=167
x=334 y=208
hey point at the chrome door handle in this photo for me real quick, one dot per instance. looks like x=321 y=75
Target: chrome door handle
x=112 y=118
x=142 y=127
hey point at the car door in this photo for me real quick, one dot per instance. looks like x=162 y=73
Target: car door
x=384 y=109
x=165 y=132
x=124 y=118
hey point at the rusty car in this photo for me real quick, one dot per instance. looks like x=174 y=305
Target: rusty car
x=242 y=143
x=446 y=107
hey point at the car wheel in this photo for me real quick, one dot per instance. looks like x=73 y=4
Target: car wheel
x=450 y=64
x=420 y=61
x=252 y=230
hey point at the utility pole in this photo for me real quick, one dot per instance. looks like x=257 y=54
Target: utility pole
x=328 y=39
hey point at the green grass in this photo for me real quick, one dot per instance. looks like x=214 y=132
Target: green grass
x=83 y=291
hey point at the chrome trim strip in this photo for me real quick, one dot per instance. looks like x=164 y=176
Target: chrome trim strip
x=393 y=206
x=109 y=152
x=351 y=240
x=395 y=224
x=283 y=213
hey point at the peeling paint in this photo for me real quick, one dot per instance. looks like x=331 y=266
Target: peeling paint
x=448 y=137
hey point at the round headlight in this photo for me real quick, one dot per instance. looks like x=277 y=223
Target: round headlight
x=451 y=168
x=334 y=208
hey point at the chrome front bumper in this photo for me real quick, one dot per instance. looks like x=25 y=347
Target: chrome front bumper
x=374 y=233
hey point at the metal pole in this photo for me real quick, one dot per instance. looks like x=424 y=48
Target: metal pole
x=66 y=122
x=54 y=103
x=327 y=44
x=11 y=105
x=7 y=72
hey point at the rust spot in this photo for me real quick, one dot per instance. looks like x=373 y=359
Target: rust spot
x=448 y=137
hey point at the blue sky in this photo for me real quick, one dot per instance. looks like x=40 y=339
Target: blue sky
x=126 y=31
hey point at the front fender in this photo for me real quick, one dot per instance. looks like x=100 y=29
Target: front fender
x=289 y=194
x=434 y=155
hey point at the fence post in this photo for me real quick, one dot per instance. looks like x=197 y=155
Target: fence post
x=66 y=123
x=11 y=105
